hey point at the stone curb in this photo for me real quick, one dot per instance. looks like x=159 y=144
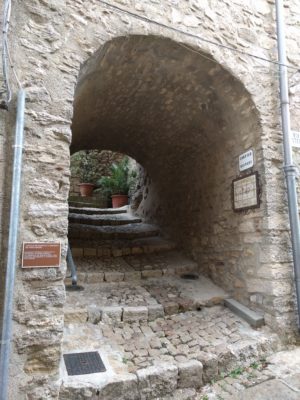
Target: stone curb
x=119 y=252
x=114 y=314
x=145 y=384
x=119 y=276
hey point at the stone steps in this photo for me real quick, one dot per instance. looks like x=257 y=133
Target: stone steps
x=173 y=354
x=142 y=300
x=136 y=267
x=103 y=219
x=84 y=203
x=160 y=336
x=129 y=231
x=93 y=210
x=121 y=247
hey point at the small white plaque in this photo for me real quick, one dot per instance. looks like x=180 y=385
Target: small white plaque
x=295 y=138
x=246 y=160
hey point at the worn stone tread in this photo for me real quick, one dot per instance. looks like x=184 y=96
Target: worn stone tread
x=95 y=210
x=103 y=219
x=120 y=247
x=130 y=231
x=84 y=204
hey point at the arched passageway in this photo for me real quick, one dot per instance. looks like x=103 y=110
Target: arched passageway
x=186 y=120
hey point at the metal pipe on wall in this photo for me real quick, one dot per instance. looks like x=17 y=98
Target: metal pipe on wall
x=290 y=169
x=12 y=247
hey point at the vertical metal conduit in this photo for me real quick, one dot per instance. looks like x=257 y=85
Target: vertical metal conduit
x=72 y=266
x=289 y=168
x=12 y=248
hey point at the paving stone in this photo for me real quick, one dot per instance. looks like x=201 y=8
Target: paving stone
x=94 y=314
x=94 y=277
x=77 y=251
x=210 y=365
x=190 y=374
x=125 y=388
x=132 y=276
x=111 y=314
x=293 y=380
x=114 y=276
x=151 y=273
x=157 y=381
x=270 y=390
x=75 y=315
x=155 y=311
x=171 y=308
x=89 y=252
x=132 y=314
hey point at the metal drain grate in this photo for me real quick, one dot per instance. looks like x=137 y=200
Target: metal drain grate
x=84 y=363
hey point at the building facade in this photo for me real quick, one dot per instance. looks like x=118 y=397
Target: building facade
x=185 y=88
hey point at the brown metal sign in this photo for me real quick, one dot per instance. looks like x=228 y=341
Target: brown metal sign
x=41 y=255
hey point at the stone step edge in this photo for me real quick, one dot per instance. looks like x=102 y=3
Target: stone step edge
x=119 y=252
x=146 y=383
x=256 y=320
x=102 y=221
x=97 y=211
x=118 y=276
x=88 y=235
x=162 y=380
x=123 y=313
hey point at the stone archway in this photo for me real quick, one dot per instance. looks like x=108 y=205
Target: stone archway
x=186 y=120
x=51 y=42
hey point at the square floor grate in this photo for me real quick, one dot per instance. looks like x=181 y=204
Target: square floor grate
x=84 y=363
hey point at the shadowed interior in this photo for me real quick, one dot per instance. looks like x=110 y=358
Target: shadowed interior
x=186 y=120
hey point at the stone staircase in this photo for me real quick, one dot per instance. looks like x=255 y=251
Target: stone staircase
x=161 y=329
x=112 y=232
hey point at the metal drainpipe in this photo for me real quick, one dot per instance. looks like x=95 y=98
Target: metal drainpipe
x=12 y=247
x=290 y=169
x=72 y=266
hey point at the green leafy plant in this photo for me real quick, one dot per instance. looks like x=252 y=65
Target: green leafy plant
x=254 y=365
x=84 y=164
x=120 y=180
x=236 y=372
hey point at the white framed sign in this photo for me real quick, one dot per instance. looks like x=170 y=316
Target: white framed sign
x=246 y=160
x=295 y=139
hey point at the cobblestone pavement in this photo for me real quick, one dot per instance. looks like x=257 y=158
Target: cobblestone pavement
x=140 y=299
x=214 y=336
x=274 y=377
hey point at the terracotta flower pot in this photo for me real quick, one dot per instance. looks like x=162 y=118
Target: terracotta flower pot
x=119 y=200
x=86 y=189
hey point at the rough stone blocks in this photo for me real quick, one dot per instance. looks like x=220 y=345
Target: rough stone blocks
x=112 y=314
x=157 y=381
x=190 y=374
x=132 y=314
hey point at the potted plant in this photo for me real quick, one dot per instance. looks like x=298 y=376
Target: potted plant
x=84 y=168
x=118 y=183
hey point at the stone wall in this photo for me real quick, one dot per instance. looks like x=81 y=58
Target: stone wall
x=100 y=166
x=249 y=254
